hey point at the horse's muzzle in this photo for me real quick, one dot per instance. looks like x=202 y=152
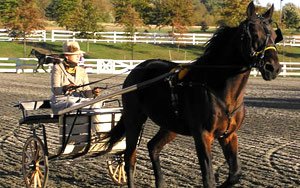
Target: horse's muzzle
x=270 y=71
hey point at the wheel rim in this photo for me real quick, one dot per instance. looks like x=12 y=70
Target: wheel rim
x=116 y=169
x=34 y=163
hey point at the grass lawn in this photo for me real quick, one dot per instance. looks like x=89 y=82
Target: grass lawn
x=141 y=51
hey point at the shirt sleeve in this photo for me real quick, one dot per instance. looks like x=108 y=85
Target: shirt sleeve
x=56 y=81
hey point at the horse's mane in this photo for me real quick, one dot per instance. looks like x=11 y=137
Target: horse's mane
x=219 y=41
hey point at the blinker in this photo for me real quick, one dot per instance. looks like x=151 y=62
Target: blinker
x=279 y=36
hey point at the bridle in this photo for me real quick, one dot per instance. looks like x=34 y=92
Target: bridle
x=256 y=56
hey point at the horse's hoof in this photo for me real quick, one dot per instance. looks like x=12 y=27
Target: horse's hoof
x=231 y=181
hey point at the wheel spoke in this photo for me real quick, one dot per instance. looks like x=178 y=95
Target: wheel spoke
x=40 y=158
x=28 y=174
x=42 y=167
x=38 y=179
x=35 y=180
x=40 y=174
x=37 y=152
x=31 y=149
x=28 y=156
x=27 y=163
x=116 y=171
x=31 y=180
x=120 y=174
x=124 y=174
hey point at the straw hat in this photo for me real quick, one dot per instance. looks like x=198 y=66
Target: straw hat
x=72 y=48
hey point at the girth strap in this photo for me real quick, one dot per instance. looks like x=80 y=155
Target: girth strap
x=179 y=72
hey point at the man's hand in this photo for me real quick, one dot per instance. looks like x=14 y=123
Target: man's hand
x=68 y=89
x=96 y=91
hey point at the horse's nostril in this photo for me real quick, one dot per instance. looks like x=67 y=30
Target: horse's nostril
x=269 y=67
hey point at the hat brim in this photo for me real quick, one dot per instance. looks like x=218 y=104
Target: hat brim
x=74 y=53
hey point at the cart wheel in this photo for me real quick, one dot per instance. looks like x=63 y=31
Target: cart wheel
x=35 y=163
x=116 y=169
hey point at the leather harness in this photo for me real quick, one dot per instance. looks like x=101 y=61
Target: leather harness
x=174 y=81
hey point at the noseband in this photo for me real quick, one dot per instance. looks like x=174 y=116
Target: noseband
x=256 y=57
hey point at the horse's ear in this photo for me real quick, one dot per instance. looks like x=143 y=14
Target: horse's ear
x=268 y=15
x=251 y=10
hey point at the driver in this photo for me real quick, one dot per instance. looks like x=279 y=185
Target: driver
x=66 y=75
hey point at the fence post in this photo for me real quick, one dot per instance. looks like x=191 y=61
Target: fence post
x=194 y=38
x=74 y=34
x=115 y=37
x=44 y=35
x=284 y=70
x=98 y=69
x=18 y=66
x=52 y=36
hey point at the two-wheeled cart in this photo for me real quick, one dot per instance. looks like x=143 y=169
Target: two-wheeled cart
x=76 y=135
x=79 y=134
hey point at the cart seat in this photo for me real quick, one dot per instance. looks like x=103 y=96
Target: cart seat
x=35 y=112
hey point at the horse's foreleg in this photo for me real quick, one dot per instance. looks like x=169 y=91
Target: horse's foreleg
x=36 y=69
x=155 y=145
x=230 y=150
x=44 y=68
x=203 y=141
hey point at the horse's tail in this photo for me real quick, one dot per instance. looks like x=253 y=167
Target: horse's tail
x=116 y=134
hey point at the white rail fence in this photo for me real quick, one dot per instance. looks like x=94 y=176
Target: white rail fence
x=138 y=37
x=110 y=66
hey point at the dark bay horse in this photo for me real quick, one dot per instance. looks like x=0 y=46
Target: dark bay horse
x=204 y=99
x=44 y=59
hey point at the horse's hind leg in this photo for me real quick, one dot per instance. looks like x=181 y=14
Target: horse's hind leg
x=133 y=124
x=155 y=145
x=230 y=150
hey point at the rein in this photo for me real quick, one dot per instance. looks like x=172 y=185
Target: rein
x=94 y=82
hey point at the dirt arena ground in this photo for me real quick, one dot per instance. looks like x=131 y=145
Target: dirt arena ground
x=269 y=141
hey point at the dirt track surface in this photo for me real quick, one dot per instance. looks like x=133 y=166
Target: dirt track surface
x=269 y=141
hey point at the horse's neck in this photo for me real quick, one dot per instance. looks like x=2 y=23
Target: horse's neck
x=232 y=80
x=234 y=90
x=228 y=83
x=38 y=54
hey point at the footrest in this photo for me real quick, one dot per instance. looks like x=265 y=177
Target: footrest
x=35 y=119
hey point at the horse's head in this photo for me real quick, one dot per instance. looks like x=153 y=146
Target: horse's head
x=258 y=42
x=32 y=53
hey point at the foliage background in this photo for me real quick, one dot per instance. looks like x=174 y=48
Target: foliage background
x=20 y=17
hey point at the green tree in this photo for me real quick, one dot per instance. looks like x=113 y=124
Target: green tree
x=64 y=12
x=233 y=12
x=175 y=13
x=87 y=21
x=21 y=18
x=201 y=14
x=105 y=10
x=127 y=16
x=78 y=15
x=212 y=5
x=291 y=16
